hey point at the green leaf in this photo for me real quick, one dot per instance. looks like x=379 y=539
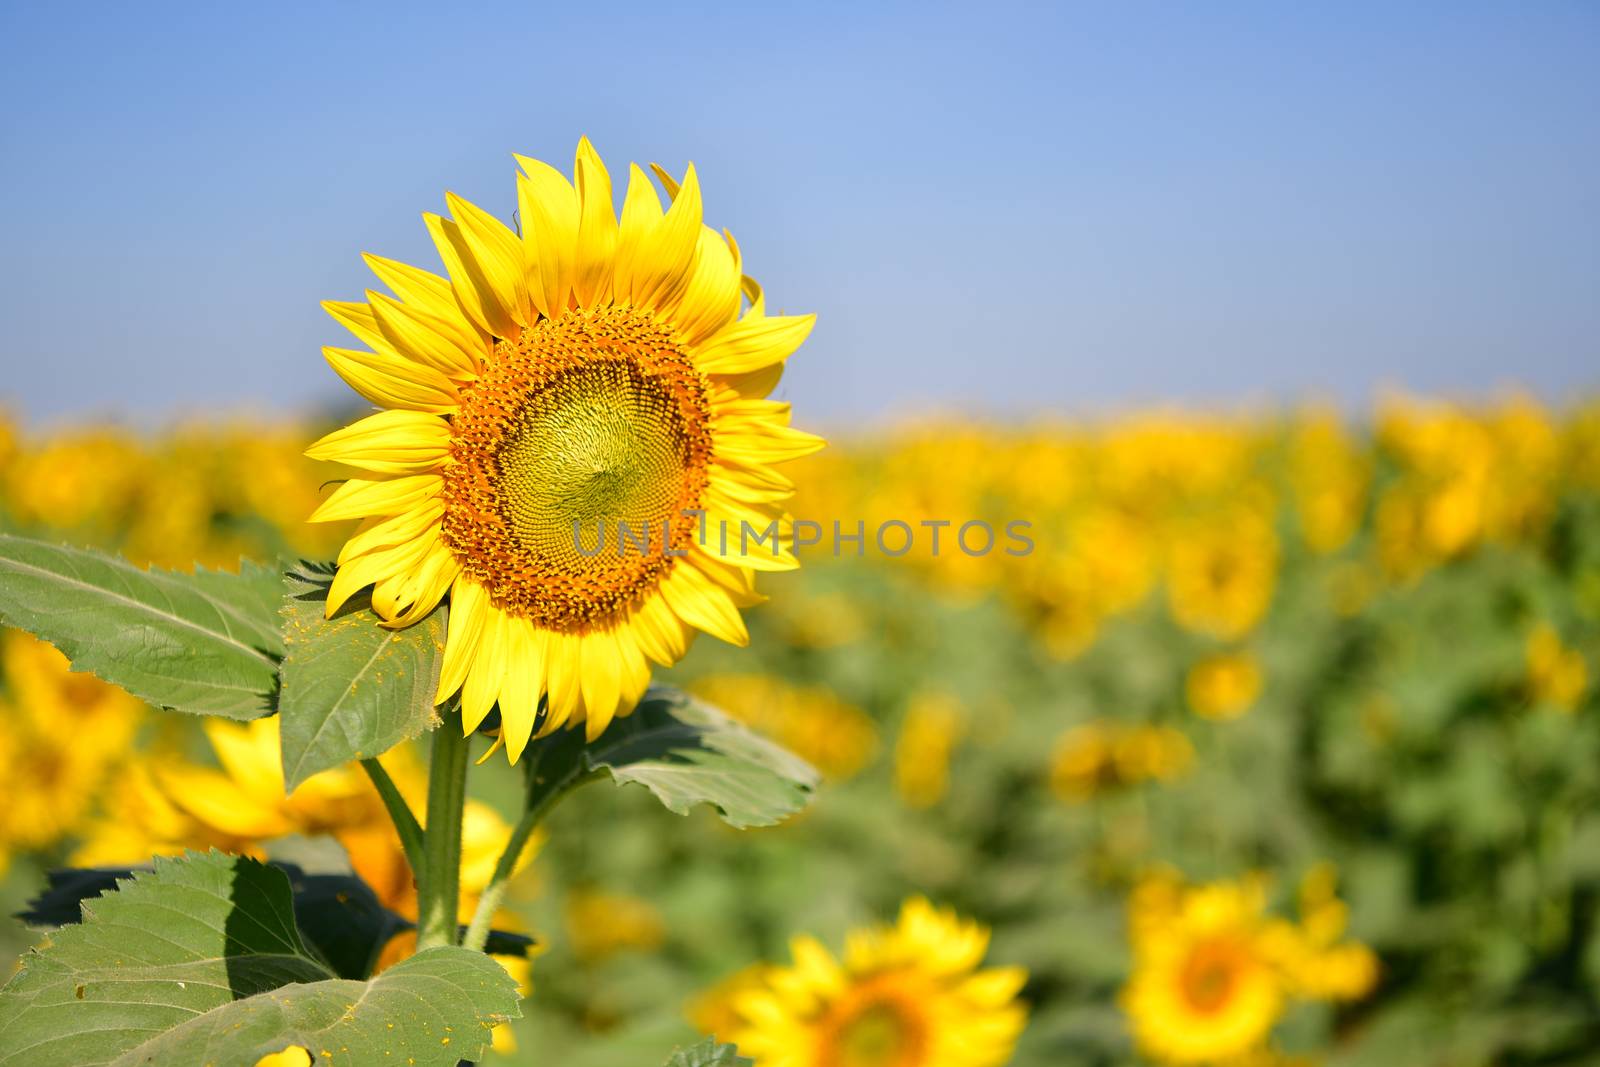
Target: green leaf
x=708 y=1054
x=338 y=914
x=351 y=688
x=686 y=752
x=433 y=1009
x=206 y=642
x=200 y=961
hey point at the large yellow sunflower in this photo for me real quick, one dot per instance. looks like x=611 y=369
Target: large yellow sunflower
x=591 y=371
x=910 y=995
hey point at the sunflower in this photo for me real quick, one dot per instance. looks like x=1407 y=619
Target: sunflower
x=910 y=995
x=590 y=377
x=1223 y=686
x=1206 y=986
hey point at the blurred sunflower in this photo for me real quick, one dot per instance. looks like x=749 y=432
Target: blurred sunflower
x=591 y=372
x=1223 y=686
x=910 y=995
x=1556 y=674
x=837 y=738
x=932 y=725
x=1222 y=574
x=62 y=736
x=1205 y=987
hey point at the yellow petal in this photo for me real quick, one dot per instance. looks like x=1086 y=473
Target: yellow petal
x=696 y=600
x=659 y=632
x=469 y=606
x=753 y=293
x=409 y=597
x=666 y=252
x=392 y=442
x=710 y=300
x=359 y=498
x=597 y=228
x=392 y=381
x=601 y=680
x=498 y=252
x=635 y=676
x=524 y=685
x=549 y=207
x=430 y=293
x=756 y=444
x=425 y=338
x=757 y=383
x=475 y=291
x=357 y=318
x=641 y=213
x=754 y=342
x=481 y=690
x=565 y=695
x=362 y=571
x=418 y=522
x=668 y=182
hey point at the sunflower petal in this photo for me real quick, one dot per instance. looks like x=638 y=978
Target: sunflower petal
x=601 y=679
x=469 y=606
x=549 y=207
x=392 y=381
x=701 y=603
x=475 y=291
x=666 y=252
x=498 y=253
x=710 y=300
x=422 y=337
x=431 y=293
x=597 y=227
x=754 y=342
x=394 y=442
x=360 y=498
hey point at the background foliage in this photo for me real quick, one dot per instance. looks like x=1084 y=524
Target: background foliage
x=1241 y=645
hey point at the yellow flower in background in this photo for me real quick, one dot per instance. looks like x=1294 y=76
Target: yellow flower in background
x=293 y=1056
x=1318 y=963
x=932 y=725
x=62 y=737
x=588 y=372
x=712 y=1011
x=1221 y=576
x=1158 y=753
x=908 y=995
x=84 y=481
x=1205 y=988
x=1557 y=674
x=244 y=797
x=811 y=721
x=1329 y=472
x=1223 y=686
x=600 y=924
x=54 y=697
x=166 y=805
x=1214 y=972
x=1084 y=762
x=1094 y=757
x=139 y=820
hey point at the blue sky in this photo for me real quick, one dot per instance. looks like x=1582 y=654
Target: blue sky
x=993 y=208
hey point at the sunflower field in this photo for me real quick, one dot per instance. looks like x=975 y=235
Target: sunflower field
x=1278 y=744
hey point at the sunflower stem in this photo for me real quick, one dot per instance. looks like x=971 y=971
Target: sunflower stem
x=541 y=795
x=439 y=879
x=405 y=822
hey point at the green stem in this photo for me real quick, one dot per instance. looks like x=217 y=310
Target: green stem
x=542 y=794
x=439 y=879
x=405 y=823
